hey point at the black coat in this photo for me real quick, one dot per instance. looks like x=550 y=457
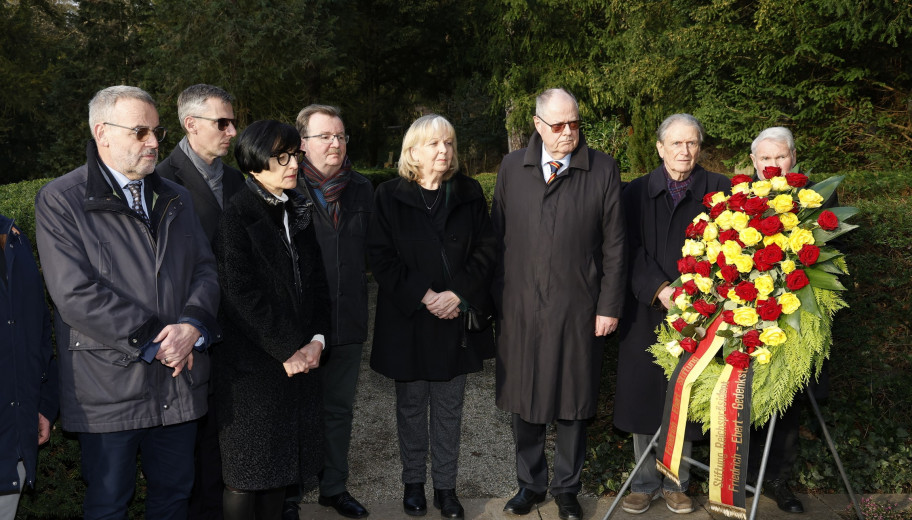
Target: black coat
x=405 y=255
x=28 y=373
x=270 y=426
x=563 y=264
x=179 y=168
x=344 y=253
x=655 y=235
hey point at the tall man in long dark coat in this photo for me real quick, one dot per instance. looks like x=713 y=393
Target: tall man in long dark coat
x=557 y=214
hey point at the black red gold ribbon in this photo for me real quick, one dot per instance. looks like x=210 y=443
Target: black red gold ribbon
x=730 y=441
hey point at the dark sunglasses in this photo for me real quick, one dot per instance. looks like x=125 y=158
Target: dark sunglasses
x=559 y=127
x=222 y=122
x=284 y=158
x=143 y=132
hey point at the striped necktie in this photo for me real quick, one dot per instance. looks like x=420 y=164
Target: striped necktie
x=554 y=167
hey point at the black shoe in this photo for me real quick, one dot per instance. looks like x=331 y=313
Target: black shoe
x=413 y=501
x=522 y=502
x=291 y=510
x=448 y=503
x=785 y=499
x=568 y=507
x=345 y=505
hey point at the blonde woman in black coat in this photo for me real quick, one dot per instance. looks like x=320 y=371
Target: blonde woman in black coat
x=274 y=312
x=432 y=252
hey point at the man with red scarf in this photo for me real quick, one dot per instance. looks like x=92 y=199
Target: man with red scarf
x=343 y=200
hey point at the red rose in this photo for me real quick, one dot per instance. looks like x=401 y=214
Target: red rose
x=722 y=289
x=769 y=309
x=738 y=359
x=729 y=273
x=686 y=264
x=705 y=308
x=770 y=226
x=700 y=227
x=809 y=254
x=738 y=179
x=746 y=291
x=728 y=317
x=766 y=257
x=751 y=338
x=828 y=220
x=690 y=287
x=677 y=292
x=729 y=234
x=679 y=324
x=736 y=202
x=796 y=280
x=771 y=171
x=720 y=260
x=717 y=210
x=750 y=350
x=796 y=180
x=703 y=268
x=707 y=199
x=756 y=206
x=688 y=344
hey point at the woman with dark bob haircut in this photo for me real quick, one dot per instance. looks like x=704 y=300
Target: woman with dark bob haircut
x=274 y=311
x=432 y=250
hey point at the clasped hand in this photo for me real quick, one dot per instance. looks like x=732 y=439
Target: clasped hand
x=304 y=359
x=176 y=350
x=444 y=305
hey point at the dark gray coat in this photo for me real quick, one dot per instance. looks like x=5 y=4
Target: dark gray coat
x=563 y=264
x=655 y=235
x=344 y=253
x=115 y=285
x=405 y=254
x=270 y=426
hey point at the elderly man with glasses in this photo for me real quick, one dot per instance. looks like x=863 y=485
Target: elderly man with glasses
x=207 y=117
x=135 y=289
x=557 y=214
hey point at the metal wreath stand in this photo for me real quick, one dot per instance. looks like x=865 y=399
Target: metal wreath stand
x=752 y=489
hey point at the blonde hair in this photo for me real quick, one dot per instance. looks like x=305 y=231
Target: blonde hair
x=423 y=128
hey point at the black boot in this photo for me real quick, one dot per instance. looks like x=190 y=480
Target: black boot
x=785 y=499
x=448 y=503
x=413 y=501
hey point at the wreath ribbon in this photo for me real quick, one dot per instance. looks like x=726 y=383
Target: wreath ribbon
x=729 y=441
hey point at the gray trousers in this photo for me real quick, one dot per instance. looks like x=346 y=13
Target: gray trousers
x=9 y=502
x=569 y=455
x=648 y=479
x=444 y=399
x=341 y=365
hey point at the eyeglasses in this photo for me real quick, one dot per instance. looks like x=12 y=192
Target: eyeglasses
x=328 y=138
x=559 y=127
x=284 y=158
x=222 y=122
x=143 y=132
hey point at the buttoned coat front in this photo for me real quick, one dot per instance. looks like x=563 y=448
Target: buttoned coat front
x=563 y=264
x=655 y=235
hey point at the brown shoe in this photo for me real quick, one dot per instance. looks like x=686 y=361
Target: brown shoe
x=636 y=503
x=678 y=502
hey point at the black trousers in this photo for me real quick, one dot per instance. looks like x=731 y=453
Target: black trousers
x=569 y=455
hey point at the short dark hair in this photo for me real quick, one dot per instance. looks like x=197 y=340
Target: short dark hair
x=260 y=140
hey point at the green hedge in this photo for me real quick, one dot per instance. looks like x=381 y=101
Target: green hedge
x=868 y=410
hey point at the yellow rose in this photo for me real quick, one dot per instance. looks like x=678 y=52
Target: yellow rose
x=739 y=220
x=735 y=298
x=724 y=220
x=744 y=187
x=693 y=248
x=731 y=249
x=762 y=355
x=782 y=203
x=779 y=183
x=745 y=316
x=799 y=237
x=691 y=317
x=704 y=284
x=789 y=302
x=779 y=239
x=713 y=248
x=750 y=236
x=773 y=336
x=674 y=348
x=718 y=197
x=743 y=263
x=686 y=277
x=789 y=220
x=711 y=232
x=701 y=216
x=761 y=188
x=787 y=266
x=682 y=301
x=809 y=199
x=764 y=285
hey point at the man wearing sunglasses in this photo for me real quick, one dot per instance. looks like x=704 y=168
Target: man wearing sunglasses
x=135 y=289
x=207 y=117
x=560 y=289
